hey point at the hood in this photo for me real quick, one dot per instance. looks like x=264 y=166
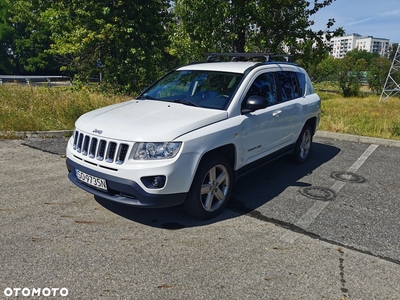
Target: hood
x=147 y=120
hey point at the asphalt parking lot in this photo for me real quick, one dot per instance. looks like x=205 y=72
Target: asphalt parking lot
x=327 y=229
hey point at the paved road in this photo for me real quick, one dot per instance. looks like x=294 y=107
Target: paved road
x=327 y=229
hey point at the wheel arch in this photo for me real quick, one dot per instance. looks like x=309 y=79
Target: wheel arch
x=312 y=122
x=228 y=151
x=195 y=203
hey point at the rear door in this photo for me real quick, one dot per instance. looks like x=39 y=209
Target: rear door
x=277 y=126
x=293 y=101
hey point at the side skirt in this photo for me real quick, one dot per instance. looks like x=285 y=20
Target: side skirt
x=263 y=161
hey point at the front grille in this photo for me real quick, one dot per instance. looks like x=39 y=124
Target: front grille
x=100 y=149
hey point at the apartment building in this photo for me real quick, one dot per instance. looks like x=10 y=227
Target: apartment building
x=342 y=45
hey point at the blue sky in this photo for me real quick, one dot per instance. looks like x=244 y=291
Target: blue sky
x=379 y=18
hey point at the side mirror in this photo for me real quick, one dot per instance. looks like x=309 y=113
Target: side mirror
x=254 y=103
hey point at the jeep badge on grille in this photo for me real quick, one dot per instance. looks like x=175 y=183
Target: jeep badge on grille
x=98 y=131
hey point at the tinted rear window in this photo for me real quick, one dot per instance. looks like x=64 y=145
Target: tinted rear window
x=288 y=85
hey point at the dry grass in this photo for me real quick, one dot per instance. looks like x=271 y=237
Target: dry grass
x=361 y=116
x=25 y=108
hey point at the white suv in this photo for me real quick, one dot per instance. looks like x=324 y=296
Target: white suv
x=192 y=134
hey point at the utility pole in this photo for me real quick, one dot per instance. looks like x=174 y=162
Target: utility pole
x=392 y=87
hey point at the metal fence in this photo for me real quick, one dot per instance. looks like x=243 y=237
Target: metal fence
x=36 y=80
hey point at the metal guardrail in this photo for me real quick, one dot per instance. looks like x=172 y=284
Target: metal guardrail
x=36 y=80
x=339 y=92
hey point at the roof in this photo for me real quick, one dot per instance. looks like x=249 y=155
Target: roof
x=234 y=67
x=240 y=62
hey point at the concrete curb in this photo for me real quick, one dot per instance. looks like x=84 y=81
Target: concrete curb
x=357 y=138
x=39 y=134
x=319 y=134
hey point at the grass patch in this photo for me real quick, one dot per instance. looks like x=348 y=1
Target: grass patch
x=361 y=116
x=27 y=108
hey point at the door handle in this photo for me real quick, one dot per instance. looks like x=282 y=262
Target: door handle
x=276 y=113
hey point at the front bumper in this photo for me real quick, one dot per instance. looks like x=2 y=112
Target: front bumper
x=123 y=190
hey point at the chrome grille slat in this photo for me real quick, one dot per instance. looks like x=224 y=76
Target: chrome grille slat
x=80 y=140
x=85 y=145
x=100 y=149
x=75 y=139
x=112 y=147
x=93 y=146
x=123 y=151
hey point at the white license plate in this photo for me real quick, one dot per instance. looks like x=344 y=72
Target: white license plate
x=91 y=180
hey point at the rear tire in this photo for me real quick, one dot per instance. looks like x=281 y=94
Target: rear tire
x=303 y=145
x=211 y=188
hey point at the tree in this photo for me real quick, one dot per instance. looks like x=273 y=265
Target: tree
x=201 y=26
x=123 y=40
x=363 y=65
x=31 y=37
x=393 y=51
x=351 y=73
x=377 y=73
x=327 y=70
x=7 y=33
x=363 y=54
x=247 y=25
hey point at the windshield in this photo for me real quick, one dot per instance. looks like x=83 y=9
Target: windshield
x=207 y=89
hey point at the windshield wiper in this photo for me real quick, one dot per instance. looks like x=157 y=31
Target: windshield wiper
x=186 y=102
x=147 y=97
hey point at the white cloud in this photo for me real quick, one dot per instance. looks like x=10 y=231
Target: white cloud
x=360 y=21
x=390 y=13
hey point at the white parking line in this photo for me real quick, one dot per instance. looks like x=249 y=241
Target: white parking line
x=319 y=206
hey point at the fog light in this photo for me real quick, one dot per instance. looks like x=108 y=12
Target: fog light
x=154 y=182
x=158 y=181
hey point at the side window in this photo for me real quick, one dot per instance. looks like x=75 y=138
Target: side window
x=306 y=86
x=264 y=85
x=301 y=77
x=288 y=85
x=310 y=88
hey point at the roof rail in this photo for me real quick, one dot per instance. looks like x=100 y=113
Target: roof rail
x=241 y=56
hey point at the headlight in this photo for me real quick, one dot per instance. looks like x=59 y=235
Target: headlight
x=162 y=150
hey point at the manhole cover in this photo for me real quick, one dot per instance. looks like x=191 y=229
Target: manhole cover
x=348 y=177
x=318 y=193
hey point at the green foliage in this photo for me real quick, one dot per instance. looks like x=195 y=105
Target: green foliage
x=31 y=37
x=129 y=44
x=125 y=41
x=378 y=72
x=350 y=75
x=199 y=28
x=27 y=108
x=395 y=128
x=363 y=54
x=393 y=51
x=327 y=70
x=7 y=33
x=361 y=116
x=247 y=26
x=354 y=70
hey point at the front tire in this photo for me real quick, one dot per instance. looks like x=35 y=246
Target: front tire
x=211 y=188
x=303 y=145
